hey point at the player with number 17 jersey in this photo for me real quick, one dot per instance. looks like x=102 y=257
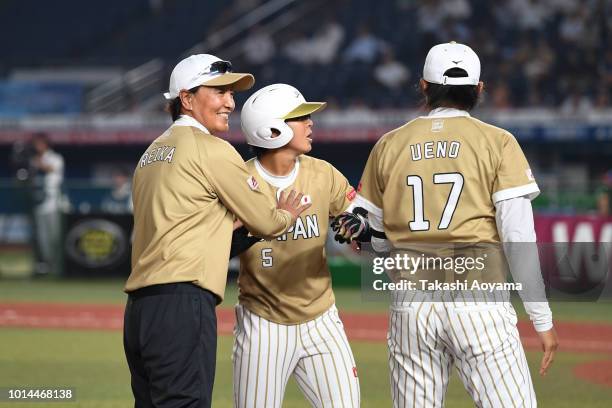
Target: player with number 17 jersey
x=445 y=171
x=462 y=187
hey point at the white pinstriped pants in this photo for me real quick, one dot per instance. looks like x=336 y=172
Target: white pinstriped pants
x=425 y=339
x=317 y=353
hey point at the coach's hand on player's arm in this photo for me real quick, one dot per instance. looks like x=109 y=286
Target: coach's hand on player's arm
x=292 y=203
x=550 y=343
x=241 y=240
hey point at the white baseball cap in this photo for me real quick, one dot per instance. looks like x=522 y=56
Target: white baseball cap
x=206 y=69
x=443 y=57
x=268 y=109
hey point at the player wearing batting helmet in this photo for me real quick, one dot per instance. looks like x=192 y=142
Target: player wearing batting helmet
x=451 y=180
x=287 y=323
x=188 y=185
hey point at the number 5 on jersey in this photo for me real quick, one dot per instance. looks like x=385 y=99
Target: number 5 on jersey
x=266 y=257
x=419 y=222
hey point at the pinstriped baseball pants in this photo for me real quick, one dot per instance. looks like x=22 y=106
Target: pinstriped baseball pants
x=426 y=339
x=316 y=353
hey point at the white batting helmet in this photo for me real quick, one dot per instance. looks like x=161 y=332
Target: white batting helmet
x=268 y=109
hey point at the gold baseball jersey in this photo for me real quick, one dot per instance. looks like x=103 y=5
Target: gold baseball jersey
x=437 y=179
x=187 y=187
x=286 y=280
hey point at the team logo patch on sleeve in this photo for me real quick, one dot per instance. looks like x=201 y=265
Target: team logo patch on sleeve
x=351 y=194
x=252 y=182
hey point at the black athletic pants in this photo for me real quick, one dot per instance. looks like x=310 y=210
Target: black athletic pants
x=170 y=341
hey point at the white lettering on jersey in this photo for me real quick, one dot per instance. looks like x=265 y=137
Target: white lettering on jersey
x=428 y=148
x=441 y=149
x=170 y=155
x=453 y=152
x=164 y=153
x=303 y=228
x=312 y=225
x=416 y=152
x=161 y=153
x=299 y=229
x=435 y=150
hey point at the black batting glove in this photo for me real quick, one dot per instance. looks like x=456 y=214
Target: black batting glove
x=350 y=227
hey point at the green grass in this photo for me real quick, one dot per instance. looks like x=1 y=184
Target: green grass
x=93 y=363
x=347 y=299
x=65 y=291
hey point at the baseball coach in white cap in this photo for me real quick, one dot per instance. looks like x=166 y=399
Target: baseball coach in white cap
x=189 y=186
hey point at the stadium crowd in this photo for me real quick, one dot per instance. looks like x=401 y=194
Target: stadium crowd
x=552 y=53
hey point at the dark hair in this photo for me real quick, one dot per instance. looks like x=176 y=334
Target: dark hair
x=174 y=106
x=461 y=96
x=41 y=136
x=258 y=151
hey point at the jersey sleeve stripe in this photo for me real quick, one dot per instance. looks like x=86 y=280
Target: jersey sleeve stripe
x=531 y=191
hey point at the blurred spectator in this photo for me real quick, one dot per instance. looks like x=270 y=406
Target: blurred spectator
x=505 y=13
x=119 y=200
x=563 y=6
x=605 y=68
x=430 y=16
x=573 y=26
x=531 y=14
x=602 y=100
x=365 y=48
x=537 y=61
x=47 y=168
x=604 y=195
x=456 y=9
x=500 y=96
x=390 y=72
x=298 y=48
x=539 y=49
x=320 y=48
x=577 y=103
x=258 y=47
x=358 y=110
x=326 y=43
x=237 y=9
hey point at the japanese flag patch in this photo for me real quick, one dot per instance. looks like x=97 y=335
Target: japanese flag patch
x=306 y=200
